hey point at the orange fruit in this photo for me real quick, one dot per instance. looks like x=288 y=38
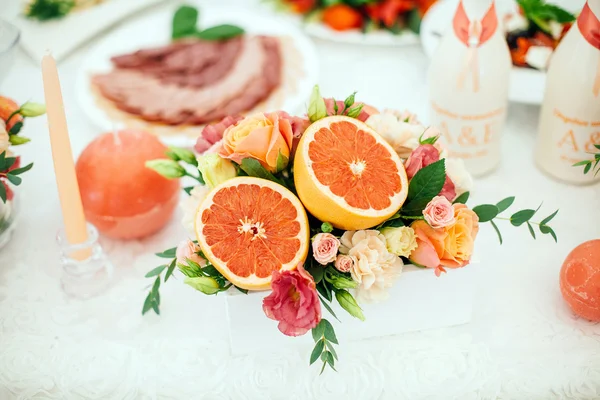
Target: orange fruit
x=348 y=175
x=249 y=227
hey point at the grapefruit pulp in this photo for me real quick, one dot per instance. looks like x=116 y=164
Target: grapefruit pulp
x=249 y=227
x=346 y=174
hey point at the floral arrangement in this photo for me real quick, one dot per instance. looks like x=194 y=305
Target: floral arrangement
x=535 y=31
x=345 y=255
x=392 y=15
x=44 y=10
x=11 y=121
x=591 y=165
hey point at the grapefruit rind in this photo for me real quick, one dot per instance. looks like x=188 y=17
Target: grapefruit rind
x=253 y=282
x=321 y=202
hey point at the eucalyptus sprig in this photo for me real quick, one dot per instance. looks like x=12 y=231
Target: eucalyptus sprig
x=324 y=336
x=490 y=213
x=185 y=21
x=12 y=175
x=591 y=165
x=175 y=166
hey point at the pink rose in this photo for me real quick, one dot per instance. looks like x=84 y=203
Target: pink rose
x=294 y=302
x=325 y=247
x=213 y=133
x=421 y=157
x=344 y=263
x=188 y=250
x=439 y=212
x=364 y=115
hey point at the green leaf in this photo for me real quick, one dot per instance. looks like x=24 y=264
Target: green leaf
x=171 y=269
x=348 y=303
x=597 y=146
x=462 y=199
x=18 y=140
x=413 y=21
x=325 y=290
x=497 y=231
x=545 y=229
x=332 y=350
x=184 y=22
x=168 y=168
x=504 y=204
x=44 y=10
x=155 y=307
x=339 y=280
x=316 y=107
x=429 y=140
x=254 y=168
x=282 y=161
x=147 y=303
x=486 y=212
x=188 y=190
x=2 y=192
x=424 y=186
x=317 y=273
x=330 y=360
x=329 y=332
x=220 y=32
x=21 y=170
x=16 y=128
x=335 y=107
x=156 y=271
x=15 y=180
x=349 y=102
x=155 y=288
x=318 y=331
x=580 y=163
x=328 y=307
x=549 y=218
x=185 y=155
x=316 y=353
x=245 y=291
x=520 y=217
x=587 y=168
x=355 y=111
x=554 y=13
x=531 y=229
x=323 y=368
x=3 y=165
x=170 y=253
x=326 y=227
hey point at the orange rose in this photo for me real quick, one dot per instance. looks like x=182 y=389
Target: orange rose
x=260 y=136
x=451 y=246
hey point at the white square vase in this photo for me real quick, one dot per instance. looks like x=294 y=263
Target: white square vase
x=418 y=300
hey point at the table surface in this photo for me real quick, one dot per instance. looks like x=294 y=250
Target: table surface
x=523 y=341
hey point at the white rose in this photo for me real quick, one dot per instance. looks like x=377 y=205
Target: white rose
x=401 y=241
x=402 y=136
x=190 y=206
x=456 y=170
x=4 y=138
x=375 y=269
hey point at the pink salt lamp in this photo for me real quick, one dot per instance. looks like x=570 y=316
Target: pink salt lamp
x=580 y=280
x=121 y=197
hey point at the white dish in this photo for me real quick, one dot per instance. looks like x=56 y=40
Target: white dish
x=375 y=38
x=526 y=85
x=154 y=29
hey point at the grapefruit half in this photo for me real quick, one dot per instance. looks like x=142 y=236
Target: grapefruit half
x=347 y=174
x=249 y=227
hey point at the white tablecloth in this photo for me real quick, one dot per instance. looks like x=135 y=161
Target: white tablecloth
x=523 y=341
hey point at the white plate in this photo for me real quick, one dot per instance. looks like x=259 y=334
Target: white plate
x=154 y=29
x=375 y=38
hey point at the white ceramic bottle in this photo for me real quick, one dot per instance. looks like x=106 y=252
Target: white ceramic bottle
x=468 y=85
x=570 y=117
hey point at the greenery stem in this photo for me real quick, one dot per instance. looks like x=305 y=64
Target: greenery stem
x=196 y=177
x=412 y=217
x=508 y=219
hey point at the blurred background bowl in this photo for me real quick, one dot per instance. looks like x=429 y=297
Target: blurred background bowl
x=9 y=38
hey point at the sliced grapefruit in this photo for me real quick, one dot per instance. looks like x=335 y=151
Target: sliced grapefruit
x=249 y=227
x=347 y=174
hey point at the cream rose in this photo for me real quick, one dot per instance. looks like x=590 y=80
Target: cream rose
x=190 y=205
x=402 y=136
x=215 y=169
x=325 y=248
x=401 y=241
x=458 y=174
x=375 y=269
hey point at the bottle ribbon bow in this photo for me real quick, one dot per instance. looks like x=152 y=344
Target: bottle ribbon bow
x=473 y=34
x=589 y=26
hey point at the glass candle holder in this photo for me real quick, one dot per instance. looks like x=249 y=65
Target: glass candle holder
x=87 y=272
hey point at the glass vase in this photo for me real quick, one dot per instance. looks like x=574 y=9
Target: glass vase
x=8 y=214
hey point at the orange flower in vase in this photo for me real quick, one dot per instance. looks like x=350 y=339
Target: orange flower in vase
x=302 y=6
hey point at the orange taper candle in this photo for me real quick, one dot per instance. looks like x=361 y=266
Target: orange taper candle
x=64 y=166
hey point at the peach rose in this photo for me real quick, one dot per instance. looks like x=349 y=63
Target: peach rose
x=188 y=250
x=259 y=136
x=325 y=248
x=451 y=246
x=344 y=263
